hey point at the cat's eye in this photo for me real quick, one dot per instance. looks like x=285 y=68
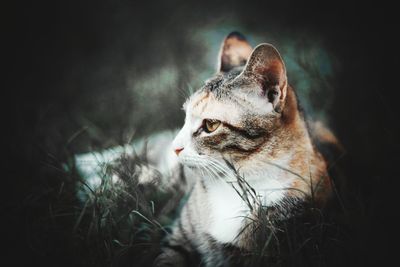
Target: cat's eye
x=211 y=125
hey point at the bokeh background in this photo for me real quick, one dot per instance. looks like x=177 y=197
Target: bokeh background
x=89 y=75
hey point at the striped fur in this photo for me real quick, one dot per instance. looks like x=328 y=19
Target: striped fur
x=260 y=155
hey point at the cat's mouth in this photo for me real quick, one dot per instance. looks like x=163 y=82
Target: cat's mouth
x=189 y=162
x=206 y=166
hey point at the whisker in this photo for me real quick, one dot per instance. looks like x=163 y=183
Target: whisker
x=203 y=165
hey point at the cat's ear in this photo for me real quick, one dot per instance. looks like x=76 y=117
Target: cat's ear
x=234 y=52
x=267 y=68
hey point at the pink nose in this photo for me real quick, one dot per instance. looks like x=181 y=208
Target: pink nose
x=178 y=150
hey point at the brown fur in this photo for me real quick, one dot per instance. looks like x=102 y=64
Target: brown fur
x=234 y=51
x=261 y=131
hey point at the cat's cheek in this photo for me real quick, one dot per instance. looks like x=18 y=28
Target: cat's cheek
x=187 y=155
x=200 y=148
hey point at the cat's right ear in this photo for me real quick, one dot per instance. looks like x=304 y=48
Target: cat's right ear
x=234 y=52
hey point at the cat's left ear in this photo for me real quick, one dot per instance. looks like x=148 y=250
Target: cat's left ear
x=267 y=68
x=234 y=52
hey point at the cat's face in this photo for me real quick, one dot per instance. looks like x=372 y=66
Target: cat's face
x=233 y=115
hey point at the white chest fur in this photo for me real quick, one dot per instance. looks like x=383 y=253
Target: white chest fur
x=228 y=210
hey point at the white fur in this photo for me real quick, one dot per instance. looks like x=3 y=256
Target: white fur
x=270 y=190
x=226 y=112
x=183 y=139
x=270 y=181
x=227 y=211
x=256 y=103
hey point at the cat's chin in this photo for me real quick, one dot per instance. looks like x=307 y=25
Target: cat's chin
x=188 y=163
x=191 y=165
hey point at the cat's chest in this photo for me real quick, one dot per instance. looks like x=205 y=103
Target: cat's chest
x=228 y=211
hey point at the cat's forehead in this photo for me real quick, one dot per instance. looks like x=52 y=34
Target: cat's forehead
x=213 y=88
x=228 y=98
x=218 y=83
x=207 y=105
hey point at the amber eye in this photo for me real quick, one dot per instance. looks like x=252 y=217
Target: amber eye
x=211 y=125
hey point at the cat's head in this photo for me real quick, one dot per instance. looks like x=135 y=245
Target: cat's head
x=237 y=112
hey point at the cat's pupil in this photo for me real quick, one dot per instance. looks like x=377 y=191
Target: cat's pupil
x=210 y=125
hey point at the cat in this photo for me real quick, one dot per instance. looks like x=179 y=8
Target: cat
x=246 y=146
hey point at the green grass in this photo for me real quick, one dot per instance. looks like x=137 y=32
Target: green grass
x=124 y=223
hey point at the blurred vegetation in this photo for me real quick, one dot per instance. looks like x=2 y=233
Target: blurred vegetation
x=124 y=223
x=86 y=76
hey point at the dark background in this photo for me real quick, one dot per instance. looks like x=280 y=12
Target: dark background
x=64 y=58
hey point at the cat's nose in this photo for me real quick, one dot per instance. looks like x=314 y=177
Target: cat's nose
x=178 y=150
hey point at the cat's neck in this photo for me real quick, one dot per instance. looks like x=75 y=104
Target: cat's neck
x=289 y=157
